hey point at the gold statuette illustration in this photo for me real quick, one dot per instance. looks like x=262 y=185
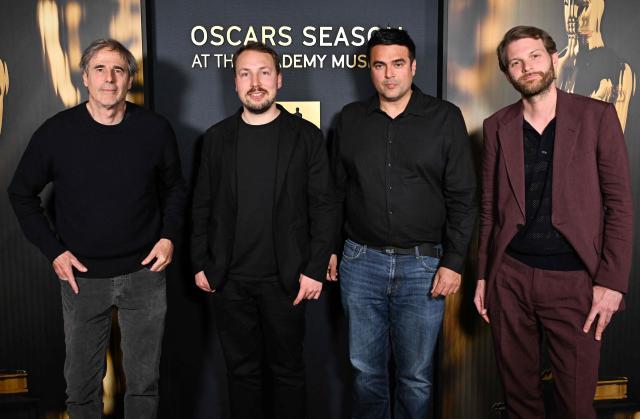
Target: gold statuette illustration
x=587 y=66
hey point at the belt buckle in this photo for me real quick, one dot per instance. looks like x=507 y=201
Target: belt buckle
x=389 y=250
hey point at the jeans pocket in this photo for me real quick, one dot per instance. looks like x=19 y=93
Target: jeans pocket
x=352 y=250
x=430 y=264
x=147 y=274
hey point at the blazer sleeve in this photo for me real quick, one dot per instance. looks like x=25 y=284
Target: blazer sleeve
x=487 y=195
x=321 y=207
x=201 y=211
x=173 y=188
x=615 y=187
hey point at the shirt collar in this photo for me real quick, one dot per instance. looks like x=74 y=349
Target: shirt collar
x=416 y=105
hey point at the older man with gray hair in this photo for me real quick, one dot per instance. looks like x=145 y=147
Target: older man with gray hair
x=119 y=197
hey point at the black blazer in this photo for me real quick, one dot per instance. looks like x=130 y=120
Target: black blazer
x=304 y=205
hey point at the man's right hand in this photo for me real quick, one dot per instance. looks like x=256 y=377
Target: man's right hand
x=63 y=266
x=478 y=299
x=202 y=282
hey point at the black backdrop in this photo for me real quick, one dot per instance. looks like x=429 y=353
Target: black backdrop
x=194 y=98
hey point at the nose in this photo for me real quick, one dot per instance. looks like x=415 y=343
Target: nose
x=109 y=76
x=388 y=72
x=527 y=65
x=255 y=80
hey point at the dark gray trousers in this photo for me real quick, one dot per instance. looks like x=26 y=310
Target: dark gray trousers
x=140 y=298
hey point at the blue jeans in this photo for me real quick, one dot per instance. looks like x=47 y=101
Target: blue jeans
x=140 y=298
x=389 y=309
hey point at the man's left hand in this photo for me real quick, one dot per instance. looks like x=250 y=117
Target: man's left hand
x=162 y=252
x=445 y=282
x=310 y=289
x=332 y=269
x=605 y=303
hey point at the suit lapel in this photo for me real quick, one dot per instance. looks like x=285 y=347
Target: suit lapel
x=288 y=134
x=511 y=142
x=567 y=129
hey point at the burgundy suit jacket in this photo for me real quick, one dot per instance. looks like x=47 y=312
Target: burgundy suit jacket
x=591 y=196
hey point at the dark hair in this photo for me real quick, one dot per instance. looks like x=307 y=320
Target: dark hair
x=111 y=45
x=522 y=32
x=259 y=47
x=391 y=36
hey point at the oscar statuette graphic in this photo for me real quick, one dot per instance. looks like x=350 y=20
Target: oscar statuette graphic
x=308 y=110
x=588 y=67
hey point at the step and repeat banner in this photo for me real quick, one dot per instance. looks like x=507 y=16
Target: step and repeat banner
x=189 y=79
x=322 y=50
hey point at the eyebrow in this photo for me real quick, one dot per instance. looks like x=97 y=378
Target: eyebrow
x=528 y=53
x=248 y=69
x=117 y=67
x=397 y=60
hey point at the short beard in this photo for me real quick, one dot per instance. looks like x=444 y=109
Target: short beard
x=260 y=108
x=530 y=90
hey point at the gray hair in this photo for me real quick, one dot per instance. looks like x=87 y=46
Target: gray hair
x=111 y=45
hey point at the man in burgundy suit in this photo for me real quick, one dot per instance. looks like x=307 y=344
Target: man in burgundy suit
x=555 y=230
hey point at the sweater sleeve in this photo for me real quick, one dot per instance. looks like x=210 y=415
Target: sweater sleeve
x=173 y=193
x=34 y=172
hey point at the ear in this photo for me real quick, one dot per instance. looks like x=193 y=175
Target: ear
x=279 y=80
x=554 y=59
x=130 y=83
x=413 y=67
x=85 y=79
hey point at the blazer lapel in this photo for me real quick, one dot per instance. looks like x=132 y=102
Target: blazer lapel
x=567 y=129
x=230 y=153
x=288 y=134
x=511 y=142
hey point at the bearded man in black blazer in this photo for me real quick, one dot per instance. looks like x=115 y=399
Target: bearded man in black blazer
x=263 y=217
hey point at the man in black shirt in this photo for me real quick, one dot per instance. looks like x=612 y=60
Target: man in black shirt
x=263 y=217
x=404 y=170
x=119 y=197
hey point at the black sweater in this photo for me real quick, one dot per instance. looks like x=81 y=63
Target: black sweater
x=117 y=189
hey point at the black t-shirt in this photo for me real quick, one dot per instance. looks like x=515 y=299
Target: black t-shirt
x=253 y=257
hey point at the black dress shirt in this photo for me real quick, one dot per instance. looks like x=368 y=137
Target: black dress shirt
x=408 y=180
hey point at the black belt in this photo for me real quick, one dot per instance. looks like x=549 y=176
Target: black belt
x=425 y=249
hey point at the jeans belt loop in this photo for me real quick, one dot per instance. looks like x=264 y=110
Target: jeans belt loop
x=417 y=250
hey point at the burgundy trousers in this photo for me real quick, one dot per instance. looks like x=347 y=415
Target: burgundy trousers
x=521 y=302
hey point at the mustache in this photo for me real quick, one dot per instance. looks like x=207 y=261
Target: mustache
x=257 y=90
x=539 y=73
